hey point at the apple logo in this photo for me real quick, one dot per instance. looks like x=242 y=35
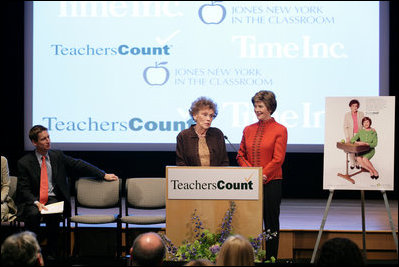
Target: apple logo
x=212 y=13
x=156 y=75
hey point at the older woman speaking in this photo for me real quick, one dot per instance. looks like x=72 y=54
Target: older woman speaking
x=201 y=144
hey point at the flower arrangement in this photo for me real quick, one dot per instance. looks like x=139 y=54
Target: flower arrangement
x=206 y=245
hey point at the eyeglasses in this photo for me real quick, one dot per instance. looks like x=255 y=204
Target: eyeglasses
x=211 y=116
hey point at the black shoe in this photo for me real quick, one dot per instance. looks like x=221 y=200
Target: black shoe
x=357 y=167
x=352 y=167
x=372 y=177
x=376 y=177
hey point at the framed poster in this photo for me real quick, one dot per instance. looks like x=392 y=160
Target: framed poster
x=359 y=143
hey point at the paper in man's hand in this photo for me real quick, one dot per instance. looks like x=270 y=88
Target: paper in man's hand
x=57 y=207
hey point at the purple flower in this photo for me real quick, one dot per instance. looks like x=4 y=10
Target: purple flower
x=226 y=224
x=215 y=248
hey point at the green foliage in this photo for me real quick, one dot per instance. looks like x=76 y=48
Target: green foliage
x=206 y=245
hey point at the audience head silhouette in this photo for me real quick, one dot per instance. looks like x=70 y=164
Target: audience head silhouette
x=236 y=251
x=147 y=249
x=21 y=249
x=340 y=251
x=199 y=262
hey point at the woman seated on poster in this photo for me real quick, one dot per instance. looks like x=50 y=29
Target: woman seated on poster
x=366 y=136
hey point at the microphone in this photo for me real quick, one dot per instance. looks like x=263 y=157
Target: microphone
x=236 y=150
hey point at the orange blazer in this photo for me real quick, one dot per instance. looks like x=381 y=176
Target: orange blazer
x=264 y=144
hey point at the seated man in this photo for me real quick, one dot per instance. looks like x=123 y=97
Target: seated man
x=42 y=180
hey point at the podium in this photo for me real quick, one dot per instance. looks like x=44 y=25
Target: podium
x=208 y=191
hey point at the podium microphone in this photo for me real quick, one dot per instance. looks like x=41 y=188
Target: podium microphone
x=236 y=150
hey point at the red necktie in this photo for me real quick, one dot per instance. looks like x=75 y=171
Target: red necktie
x=43 y=182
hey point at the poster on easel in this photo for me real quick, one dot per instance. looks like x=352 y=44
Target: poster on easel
x=359 y=143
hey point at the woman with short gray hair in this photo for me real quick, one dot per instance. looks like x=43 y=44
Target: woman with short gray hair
x=201 y=144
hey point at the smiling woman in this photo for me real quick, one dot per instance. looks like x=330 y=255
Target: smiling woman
x=264 y=144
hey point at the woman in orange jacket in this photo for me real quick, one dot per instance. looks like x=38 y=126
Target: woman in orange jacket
x=264 y=145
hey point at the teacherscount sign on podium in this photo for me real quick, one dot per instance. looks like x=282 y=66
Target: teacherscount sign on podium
x=208 y=191
x=213 y=183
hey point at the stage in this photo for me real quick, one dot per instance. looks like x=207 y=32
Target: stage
x=300 y=221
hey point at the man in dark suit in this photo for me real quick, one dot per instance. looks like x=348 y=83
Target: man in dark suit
x=57 y=167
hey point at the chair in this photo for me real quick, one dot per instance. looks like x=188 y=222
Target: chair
x=95 y=203
x=145 y=203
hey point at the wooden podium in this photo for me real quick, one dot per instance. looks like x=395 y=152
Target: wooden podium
x=214 y=189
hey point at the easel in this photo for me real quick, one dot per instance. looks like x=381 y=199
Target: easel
x=363 y=223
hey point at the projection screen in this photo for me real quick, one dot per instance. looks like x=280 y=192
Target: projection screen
x=121 y=75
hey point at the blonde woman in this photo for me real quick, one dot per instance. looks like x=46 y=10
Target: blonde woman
x=236 y=251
